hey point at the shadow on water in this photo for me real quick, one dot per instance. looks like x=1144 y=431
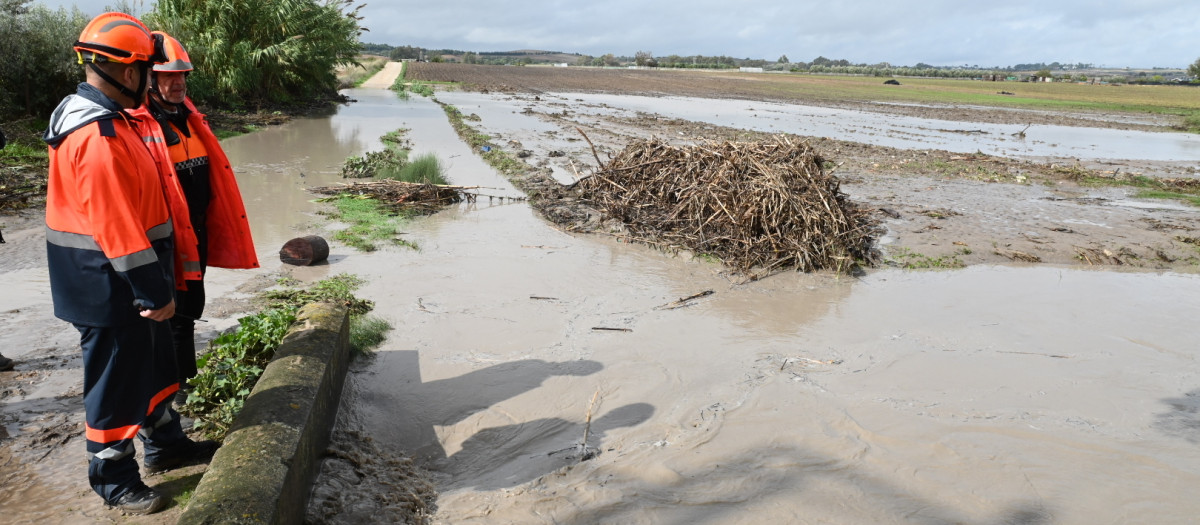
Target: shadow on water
x=779 y=478
x=507 y=456
x=1183 y=420
x=413 y=408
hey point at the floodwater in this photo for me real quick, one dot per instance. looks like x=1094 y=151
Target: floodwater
x=884 y=129
x=984 y=395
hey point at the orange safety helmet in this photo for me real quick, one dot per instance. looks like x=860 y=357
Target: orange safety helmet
x=177 y=58
x=118 y=37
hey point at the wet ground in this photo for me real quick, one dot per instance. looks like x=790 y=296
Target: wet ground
x=535 y=376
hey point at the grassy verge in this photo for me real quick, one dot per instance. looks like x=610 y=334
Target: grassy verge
x=501 y=160
x=405 y=87
x=234 y=361
x=1192 y=199
x=355 y=75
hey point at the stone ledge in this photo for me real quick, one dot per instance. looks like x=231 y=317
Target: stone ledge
x=264 y=470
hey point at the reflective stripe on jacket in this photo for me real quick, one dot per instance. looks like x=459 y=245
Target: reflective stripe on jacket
x=187 y=254
x=108 y=231
x=230 y=244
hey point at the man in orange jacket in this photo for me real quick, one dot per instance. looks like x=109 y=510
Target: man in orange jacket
x=109 y=252
x=206 y=193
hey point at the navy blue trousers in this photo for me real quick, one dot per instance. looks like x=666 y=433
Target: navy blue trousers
x=129 y=378
x=189 y=306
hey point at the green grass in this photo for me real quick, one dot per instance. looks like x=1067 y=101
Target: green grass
x=354 y=76
x=234 y=361
x=1054 y=96
x=501 y=160
x=1192 y=122
x=425 y=169
x=911 y=260
x=223 y=134
x=1194 y=200
x=367 y=333
x=370 y=223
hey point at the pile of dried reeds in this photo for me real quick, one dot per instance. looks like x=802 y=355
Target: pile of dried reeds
x=760 y=207
x=421 y=198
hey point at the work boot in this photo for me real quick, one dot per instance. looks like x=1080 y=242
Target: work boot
x=181 y=395
x=188 y=453
x=140 y=500
x=6 y=363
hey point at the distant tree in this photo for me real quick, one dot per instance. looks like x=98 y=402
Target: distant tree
x=609 y=60
x=585 y=60
x=470 y=58
x=436 y=58
x=406 y=52
x=1043 y=73
x=783 y=59
x=1194 y=69
x=642 y=57
x=821 y=61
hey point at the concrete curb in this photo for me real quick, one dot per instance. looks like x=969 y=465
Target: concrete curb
x=264 y=470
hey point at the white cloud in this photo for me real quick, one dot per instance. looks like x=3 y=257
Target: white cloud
x=1139 y=33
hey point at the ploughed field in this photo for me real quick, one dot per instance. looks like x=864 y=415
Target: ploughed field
x=1151 y=107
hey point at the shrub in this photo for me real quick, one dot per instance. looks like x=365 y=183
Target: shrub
x=254 y=53
x=425 y=169
x=38 y=68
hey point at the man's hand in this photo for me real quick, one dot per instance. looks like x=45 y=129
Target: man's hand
x=162 y=314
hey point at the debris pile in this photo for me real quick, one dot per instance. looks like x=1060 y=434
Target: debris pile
x=400 y=195
x=759 y=207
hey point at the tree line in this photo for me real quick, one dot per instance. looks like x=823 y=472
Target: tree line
x=247 y=55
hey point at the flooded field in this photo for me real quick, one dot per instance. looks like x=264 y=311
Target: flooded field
x=537 y=376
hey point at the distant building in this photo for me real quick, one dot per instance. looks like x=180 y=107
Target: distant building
x=750 y=69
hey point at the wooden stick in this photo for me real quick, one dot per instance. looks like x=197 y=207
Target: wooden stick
x=684 y=301
x=589 y=141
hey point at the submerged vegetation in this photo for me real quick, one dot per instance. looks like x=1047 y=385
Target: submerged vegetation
x=368 y=222
x=374 y=215
x=234 y=361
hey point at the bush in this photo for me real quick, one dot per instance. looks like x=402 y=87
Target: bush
x=38 y=67
x=425 y=169
x=255 y=53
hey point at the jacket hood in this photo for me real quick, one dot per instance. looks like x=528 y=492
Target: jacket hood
x=87 y=105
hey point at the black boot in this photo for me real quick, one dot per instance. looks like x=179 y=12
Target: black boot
x=140 y=500
x=188 y=453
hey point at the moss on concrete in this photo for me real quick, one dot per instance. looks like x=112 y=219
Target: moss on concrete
x=263 y=472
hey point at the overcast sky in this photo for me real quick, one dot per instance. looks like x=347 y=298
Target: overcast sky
x=1130 y=33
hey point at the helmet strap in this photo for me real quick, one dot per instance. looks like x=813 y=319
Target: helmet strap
x=136 y=96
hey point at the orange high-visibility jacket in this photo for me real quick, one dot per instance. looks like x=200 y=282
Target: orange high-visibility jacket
x=230 y=244
x=108 y=230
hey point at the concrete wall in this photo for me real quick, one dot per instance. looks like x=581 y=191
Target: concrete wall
x=264 y=470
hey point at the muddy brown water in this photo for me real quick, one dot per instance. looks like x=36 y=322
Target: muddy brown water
x=993 y=394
